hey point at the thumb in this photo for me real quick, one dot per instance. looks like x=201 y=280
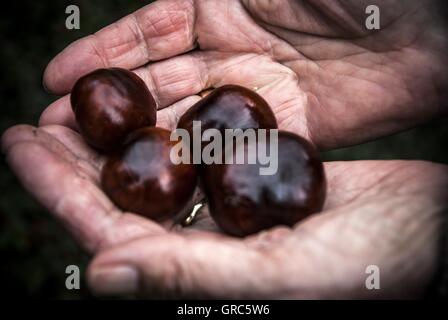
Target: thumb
x=193 y=266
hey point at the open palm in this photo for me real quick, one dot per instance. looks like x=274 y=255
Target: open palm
x=327 y=79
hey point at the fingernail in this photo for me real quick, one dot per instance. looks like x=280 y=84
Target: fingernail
x=120 y=279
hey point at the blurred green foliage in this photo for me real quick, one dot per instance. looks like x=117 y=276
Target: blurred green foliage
x=34 y=249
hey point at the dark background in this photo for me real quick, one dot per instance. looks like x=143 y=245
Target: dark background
x=34 y=249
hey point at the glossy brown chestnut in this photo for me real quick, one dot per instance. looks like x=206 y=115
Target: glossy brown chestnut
x=243 y=202
x=109 y=104
x=144 y=180
x=229 y=107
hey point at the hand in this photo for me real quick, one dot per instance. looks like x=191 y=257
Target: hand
x=385 y=213
x=327 y=77
x=382 y=213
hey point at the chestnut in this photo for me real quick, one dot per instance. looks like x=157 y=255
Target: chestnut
x=242 y=202
x=229 y=107
x=109 y=104
x=144 y=179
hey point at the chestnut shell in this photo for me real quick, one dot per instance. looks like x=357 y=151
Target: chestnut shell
x=143 y=179
x=243 y=202
x=229 y=107
x=109 y=104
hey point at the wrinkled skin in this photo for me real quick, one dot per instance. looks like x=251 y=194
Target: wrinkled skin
x=327 y=79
